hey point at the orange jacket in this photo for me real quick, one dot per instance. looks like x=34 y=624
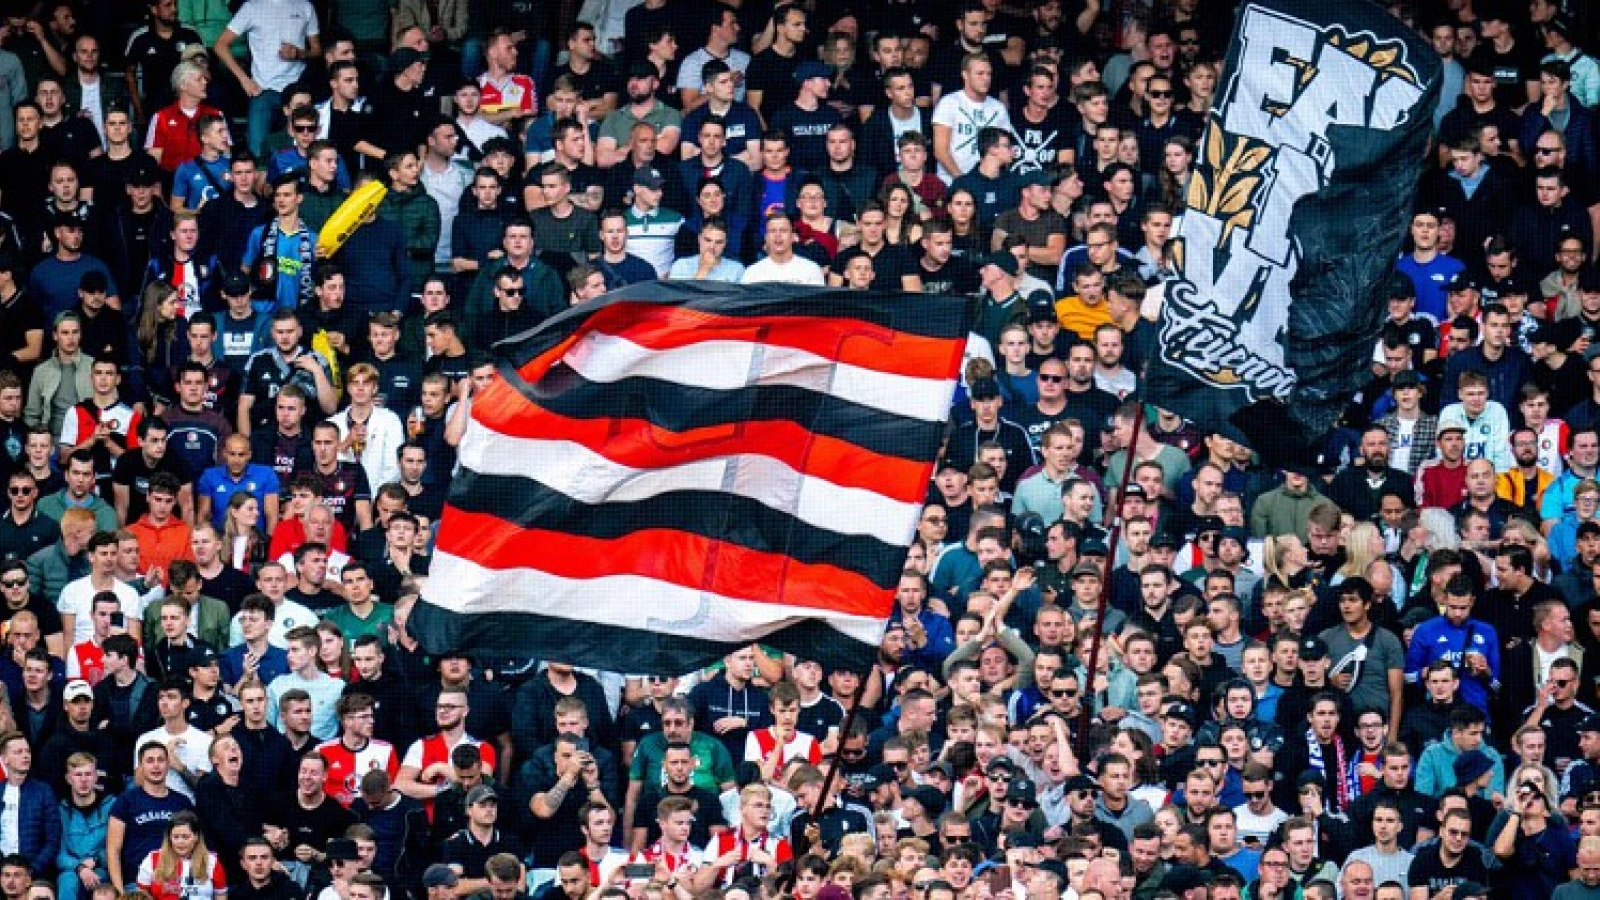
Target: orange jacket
x=159 y=545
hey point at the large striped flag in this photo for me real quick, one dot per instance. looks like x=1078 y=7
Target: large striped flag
x=679 y=469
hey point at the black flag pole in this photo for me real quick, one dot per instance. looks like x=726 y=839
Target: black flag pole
x=1086 y=691
x=844 y=735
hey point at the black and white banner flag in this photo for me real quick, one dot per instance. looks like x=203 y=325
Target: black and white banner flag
x=1301 y=197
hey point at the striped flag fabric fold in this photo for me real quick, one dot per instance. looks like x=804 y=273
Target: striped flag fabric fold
x=679 y=469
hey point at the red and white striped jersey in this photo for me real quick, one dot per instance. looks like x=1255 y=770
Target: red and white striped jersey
x=733 y=839
x=1553 y=446
x=759 y=743
x=346 y=767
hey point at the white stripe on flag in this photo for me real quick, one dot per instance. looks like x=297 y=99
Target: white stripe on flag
x=624 y=601
x=586 y=476
x=728 y=365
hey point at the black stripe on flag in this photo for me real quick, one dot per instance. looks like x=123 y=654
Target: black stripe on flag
x=645 y=650
x=719 y=516
x=674 y=407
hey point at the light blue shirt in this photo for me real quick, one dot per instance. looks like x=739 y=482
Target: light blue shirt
x=725 y=270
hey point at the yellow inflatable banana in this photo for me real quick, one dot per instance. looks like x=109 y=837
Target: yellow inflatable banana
x=348 y=217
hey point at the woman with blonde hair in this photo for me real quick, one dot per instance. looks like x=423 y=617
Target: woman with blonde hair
x=1363 y=543
x=1520 y=532
x=1286 y=559
x=183 y=869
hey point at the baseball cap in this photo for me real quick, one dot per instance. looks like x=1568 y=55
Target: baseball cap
x=1023 y=790
x=481 y=793
x=1179 y=710
x=1080 y=783
x=1135 y=489
x=1313 y=648
x=1470 y=765
x=1004 y=260
x=440 y=875
x=1234 y=533
x=929 y=798
x=1085 y=570
x=1461 y=281
x=405 y=58
x=809 y=70
x=202 y=656
x=648 y=177
x=1406 y=379
x=235 y=284
x=1452 y=420
x=983 y=389
x=1590 y=722
x=1164 y=538
x=1037 y=178
x=1401 y=286
x=1041 y=312
x=78 y=689
x=1208 y=523
x=1001 y=762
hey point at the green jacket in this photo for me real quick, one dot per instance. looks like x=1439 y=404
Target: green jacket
x=417 y=214
x=211 y=626
x=317 y=206
x=1280 y=512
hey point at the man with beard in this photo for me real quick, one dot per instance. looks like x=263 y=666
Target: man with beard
x=1358 y=488
x=677 y=781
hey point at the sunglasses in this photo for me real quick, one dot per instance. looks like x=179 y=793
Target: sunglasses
x=1065 y=692
x=1208 y=762
x=1021 y=804
x=20 y=491
x=511 y=292
x=14 y=583
x=1052 y=379
x=1000 y=776
x=305 y=129
x=1256 y=795
x=1158 y=95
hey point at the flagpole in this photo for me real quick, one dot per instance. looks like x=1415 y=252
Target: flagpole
x=844 y=735
x=1086 y=691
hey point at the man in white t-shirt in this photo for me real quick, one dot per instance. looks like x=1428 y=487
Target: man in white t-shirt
x=781 y=265
x=282 y=34
x=960 y=115
x=76 y=603
x=188 y=747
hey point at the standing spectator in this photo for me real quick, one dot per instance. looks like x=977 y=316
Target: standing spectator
x=280 y=39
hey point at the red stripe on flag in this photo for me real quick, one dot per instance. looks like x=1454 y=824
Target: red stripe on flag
x=845 y=340
x=675 y=557
x=640 y=444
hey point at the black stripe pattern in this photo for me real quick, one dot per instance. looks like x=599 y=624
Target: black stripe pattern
x=632 y=650
x=718 y=516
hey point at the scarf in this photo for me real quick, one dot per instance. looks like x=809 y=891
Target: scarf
x=267 y=273
x=810 y=235
x=1341 y=774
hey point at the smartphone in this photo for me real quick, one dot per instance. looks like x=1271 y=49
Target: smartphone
x=639 y=870
x=118 y=620
x=999 y=879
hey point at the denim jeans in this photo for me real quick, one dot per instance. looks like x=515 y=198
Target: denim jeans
x=264 y=115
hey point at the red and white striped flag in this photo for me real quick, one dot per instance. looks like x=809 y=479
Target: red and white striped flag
x=681 y=468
